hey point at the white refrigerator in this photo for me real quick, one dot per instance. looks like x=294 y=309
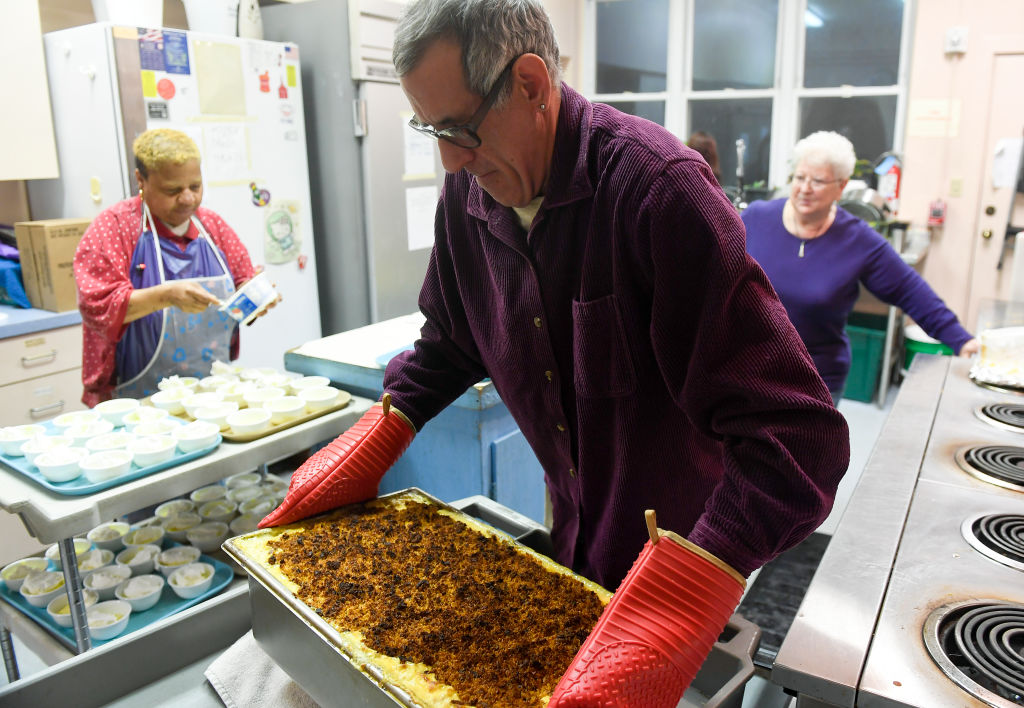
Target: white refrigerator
x=240 y=100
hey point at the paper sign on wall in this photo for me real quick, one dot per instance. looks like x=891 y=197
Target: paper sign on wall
x=420 y=205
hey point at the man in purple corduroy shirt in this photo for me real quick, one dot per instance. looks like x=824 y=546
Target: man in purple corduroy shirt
x=587 y=262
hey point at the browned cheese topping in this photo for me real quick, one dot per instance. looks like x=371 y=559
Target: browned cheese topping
x=489 y=621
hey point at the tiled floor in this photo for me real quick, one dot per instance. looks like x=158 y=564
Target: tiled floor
x=865 y=421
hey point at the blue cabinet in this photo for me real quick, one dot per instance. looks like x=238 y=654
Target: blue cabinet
x=472 y=447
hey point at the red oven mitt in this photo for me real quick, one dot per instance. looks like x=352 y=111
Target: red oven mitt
x=349 y=468
x=657 y=630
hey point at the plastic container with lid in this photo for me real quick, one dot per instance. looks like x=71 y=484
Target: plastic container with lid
x=252 y=298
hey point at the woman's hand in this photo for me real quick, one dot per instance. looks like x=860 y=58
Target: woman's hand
x=971 y=346
x=188 y=296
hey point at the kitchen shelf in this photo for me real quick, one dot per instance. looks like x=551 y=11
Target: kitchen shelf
x=51 y=517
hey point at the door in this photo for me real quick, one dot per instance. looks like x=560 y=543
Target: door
x=992 y=270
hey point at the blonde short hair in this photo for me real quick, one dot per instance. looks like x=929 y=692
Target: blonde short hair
x=162 y=146
x=826 y=147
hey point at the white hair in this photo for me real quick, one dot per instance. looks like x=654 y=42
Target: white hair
x=826 y=147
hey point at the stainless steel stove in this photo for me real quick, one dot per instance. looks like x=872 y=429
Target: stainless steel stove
x=919 y=599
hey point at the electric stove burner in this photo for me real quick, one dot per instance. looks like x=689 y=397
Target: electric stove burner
x=1009 y=416
x=980 y=645
x=1001 y=465
x=997 y=536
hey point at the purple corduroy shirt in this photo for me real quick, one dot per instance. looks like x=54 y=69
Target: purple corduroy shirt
x=820 y=288
x=642 y=352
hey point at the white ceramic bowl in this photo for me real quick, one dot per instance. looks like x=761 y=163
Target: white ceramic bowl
x=222 y=368
x=66 y=420
x=164 y=426
x=144 y=536
x=318 y=398
x=191 y=580
x=14 y=437
x=217 y=414
x=115 y=440
x=208 y=493
x=258 y=374
x=304 y=382
x=61 y=464
x=103 y=466
x=257 y=397
x=277 y=381
x=170 y=399
x=285 y=408
x=169 y=382
x=219 y=510
x=14 y=574
x=249 y=420
x=142 y=414
x=40 y=588
x=173 y=507
x=53 y=552
x=80 y=433
x=208 y=536
x=116 y=409
x=215 y=381
x=43 y=443
x=58 y=610
x=196 y=435
x=177 y=557
x=243 y=494
x=95 y=559
x=109 y=535
x=108 y=619
x=152 y=449
x=235 y=392
x=178 y=526
x=105 y=580
x=245 y=523
x=243 y=479
x=205 y=399
x=149 y=521
x=260 y=506
x=141 y=591
x=139 y=560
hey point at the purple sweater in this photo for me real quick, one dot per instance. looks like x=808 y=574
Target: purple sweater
x=820 y=289
x=639 y=348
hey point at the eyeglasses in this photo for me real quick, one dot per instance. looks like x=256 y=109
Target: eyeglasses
x=815 y=183
x=465 y=135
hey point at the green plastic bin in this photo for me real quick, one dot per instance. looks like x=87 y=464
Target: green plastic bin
x=916 y=341
x=866 y=344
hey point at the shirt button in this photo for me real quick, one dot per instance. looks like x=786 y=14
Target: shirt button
x=549 y=375
x=536 y=322
x=560 y=427
x=572 y=472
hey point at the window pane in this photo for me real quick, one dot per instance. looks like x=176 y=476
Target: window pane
x=854 y=43
x=734 y=44
x=651 y=110
x=631 y=52
x=729 y=120
x=866 y=120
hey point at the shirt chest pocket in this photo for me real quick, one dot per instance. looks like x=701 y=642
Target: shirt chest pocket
x=602 y=365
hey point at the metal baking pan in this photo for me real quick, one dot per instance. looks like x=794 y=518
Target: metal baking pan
x=310 y=651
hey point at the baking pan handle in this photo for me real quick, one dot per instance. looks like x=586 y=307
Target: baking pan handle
x=741 y=645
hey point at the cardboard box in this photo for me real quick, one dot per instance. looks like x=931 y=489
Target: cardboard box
x=47 y=252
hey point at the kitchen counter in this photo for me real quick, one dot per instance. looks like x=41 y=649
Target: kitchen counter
x=15 y=321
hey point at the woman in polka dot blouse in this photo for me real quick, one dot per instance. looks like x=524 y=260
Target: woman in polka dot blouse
x=151 y=271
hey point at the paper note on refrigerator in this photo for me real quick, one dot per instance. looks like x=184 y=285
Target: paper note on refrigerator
x=218 y=68
x=420 y=205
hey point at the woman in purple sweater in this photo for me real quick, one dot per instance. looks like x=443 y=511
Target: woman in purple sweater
x=816 y=255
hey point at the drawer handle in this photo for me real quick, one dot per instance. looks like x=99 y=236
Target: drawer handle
x=28 y=361
x=41 y=410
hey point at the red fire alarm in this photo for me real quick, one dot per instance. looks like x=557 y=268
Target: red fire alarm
x=937 y=213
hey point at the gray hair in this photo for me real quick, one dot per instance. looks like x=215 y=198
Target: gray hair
x=826 y=147
x=491 y=34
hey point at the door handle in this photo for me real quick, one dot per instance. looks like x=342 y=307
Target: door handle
x=36 y=412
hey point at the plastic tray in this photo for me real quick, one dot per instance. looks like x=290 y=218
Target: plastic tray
x=167 y=605
x=81 y=486
x=344 y=398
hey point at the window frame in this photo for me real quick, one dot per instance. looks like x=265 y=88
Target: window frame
x=790 y=48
